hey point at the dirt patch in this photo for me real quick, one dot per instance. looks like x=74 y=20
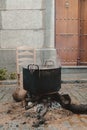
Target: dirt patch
x=16 y=112
x=11 y=111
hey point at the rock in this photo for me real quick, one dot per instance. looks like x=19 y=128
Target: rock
x=19 y=94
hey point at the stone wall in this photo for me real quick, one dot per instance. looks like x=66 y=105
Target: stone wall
x=24 y=22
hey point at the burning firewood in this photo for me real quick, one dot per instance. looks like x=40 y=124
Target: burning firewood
x=64 y=100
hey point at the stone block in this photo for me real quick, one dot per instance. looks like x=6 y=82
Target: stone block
x=24 y=4
x=8 y=59
x=0 y=21
x=2 y=4
x=22 y=19
x=0 y=39
x=14 y=38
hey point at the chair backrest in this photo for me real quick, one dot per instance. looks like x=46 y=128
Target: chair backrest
x=24 y=56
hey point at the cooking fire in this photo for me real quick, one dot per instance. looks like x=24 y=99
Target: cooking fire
x=42 y=86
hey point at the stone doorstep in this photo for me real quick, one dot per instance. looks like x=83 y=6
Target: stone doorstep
x=73 y=69
x=74 y=74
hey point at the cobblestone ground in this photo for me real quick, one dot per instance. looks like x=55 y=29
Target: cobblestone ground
x=12 y=114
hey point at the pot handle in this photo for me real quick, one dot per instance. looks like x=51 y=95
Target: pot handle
x=49 y=63
x=32 y=68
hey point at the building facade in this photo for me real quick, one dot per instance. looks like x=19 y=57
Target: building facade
x=46 y=25
x=25 y=22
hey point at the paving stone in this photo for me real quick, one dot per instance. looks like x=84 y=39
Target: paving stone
x=40 y=128
x=6 y=94
x=79 y=127
x=1 y=127
x=26 y=127
x=51 y=127
x=84 y=120
x=67 y=124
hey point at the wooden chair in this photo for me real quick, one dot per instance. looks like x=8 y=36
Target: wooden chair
x=24 y=56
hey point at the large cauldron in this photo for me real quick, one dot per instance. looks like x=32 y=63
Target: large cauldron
x=38 y=80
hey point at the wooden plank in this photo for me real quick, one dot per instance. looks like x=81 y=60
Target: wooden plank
x=67 y=31
x=83 y=32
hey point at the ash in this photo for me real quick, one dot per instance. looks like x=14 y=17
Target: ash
x=44 y=103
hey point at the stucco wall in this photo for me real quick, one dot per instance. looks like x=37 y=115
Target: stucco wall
x=25 y=22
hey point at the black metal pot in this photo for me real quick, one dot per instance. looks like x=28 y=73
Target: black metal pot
x=40 y=81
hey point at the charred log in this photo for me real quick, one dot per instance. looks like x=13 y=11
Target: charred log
x=78 y=109
x=30 y=106
x=65 y=102
x=39 y=122
x=41 y=111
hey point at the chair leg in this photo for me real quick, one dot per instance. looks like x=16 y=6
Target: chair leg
x=18 y=78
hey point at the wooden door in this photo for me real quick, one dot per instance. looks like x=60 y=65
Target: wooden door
x=67 y=31
x=83 y=32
